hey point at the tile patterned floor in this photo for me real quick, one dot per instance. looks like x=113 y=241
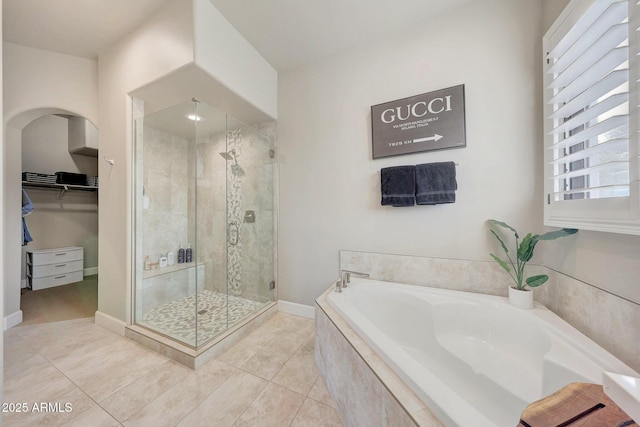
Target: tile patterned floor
x=267 y=379
x=178 y=318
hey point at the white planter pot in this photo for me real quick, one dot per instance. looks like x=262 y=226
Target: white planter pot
x=521 y=298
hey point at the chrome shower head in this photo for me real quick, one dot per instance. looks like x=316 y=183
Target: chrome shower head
x=230 y=155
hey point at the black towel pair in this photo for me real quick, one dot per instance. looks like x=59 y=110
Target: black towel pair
x=425 y=184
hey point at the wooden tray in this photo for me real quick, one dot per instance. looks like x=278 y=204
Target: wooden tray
x=575 y=405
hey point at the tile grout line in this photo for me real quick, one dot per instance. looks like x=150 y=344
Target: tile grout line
x=163 y=393
x=284 y=363
x=215 y=389
x=50 y=362
x=268 y=382
x=227 y=364
x=282 y=367
x=77 y=386
x=271 y=382
x=254 y=399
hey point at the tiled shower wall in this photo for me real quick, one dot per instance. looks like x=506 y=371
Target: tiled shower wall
x=225 y=196
x=607 y=319
x=212 y=208
x=166 y=222
x=166 y=168
x=225 y=191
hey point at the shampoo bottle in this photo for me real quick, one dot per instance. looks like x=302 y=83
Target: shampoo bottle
x=163 y=260
x=188 y=253
x=181 y=255
x=171 y=258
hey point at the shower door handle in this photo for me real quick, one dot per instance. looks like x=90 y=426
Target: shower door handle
x=234 y=233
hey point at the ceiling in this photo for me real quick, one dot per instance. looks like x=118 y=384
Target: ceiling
x=82 y=28
x=288 y=33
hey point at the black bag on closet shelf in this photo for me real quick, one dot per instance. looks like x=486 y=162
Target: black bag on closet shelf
x=71 y=178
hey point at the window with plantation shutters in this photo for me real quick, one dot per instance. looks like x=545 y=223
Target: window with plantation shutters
x=591 y=110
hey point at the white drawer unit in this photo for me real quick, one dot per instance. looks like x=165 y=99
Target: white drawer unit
x=47 y=268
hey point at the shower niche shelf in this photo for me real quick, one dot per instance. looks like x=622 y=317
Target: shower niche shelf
x=169 y=269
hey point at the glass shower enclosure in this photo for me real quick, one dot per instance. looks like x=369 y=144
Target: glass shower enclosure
x=204 y=221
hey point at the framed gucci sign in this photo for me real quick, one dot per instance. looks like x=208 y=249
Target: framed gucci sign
x=431 y=121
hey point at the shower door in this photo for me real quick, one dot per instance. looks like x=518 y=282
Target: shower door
x=169 y=271
x=204 y=187
x=236 y=189
x=250 y=215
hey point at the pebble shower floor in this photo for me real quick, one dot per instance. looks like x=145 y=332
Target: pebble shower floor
x=178 y=318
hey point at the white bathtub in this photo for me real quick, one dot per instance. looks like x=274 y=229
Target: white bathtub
x=473 y=359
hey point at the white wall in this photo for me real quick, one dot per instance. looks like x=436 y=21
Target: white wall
x=161 y=44
x=50 y=134
x=222 y=51
x=71 y=220
x=551 y=9
x=36 y=83
x=40 y=79
x=329 y=184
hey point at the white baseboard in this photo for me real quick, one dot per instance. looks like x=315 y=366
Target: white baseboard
x=110 y=323
x=91 y=271
x=296 y=309
x=13 y=319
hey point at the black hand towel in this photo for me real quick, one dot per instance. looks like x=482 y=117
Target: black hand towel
x=436 y=183
x=398 y=185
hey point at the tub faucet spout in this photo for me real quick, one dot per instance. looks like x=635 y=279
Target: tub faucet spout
x=345 y=277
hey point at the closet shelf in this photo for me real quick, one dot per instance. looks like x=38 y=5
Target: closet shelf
x=62 y=188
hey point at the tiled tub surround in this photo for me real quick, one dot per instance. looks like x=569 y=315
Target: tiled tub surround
x=610 y=321
x=365 y=389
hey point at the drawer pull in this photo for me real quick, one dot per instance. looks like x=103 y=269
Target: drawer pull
x=60 y=277
x=61 y=265
x=61 y=254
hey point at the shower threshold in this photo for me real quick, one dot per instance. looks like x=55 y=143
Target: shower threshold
x=215 y=310
x=195 y=357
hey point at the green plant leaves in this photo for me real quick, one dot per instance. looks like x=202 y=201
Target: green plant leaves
x=525 y=249
x=557 y=234
x=501 y=262
x=538 y=280
x=504 y=247
x=528 y=244
x=504 y=225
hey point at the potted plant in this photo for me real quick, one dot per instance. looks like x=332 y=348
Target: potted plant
x=519 y=295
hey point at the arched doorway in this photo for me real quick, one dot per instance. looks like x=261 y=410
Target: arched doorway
x=63 y=216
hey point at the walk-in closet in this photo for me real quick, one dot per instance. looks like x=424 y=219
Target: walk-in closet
x=60 y=219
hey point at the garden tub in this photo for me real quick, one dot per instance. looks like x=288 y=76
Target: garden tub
x=473 y=359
